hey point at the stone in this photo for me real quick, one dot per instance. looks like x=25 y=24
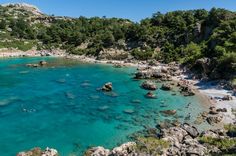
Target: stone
x=212 y=120
x=42 y=63
x=213 y=111
x=191 y=130
x=107 y=87
x=166 y=87
x=221 y=110
x=129 y=111
x=127 y=149
x=227 y=98
x=151 y=95
x=168 y=112
x=38 y=152
x=97 y=151
x=148 y=85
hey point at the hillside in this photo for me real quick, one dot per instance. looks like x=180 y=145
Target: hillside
x=202 y=40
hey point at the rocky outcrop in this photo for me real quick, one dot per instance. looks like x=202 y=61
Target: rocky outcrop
x=205 y=64
x=148 y=85
x=168 y=112
x=127 y=149
x=186 y=90
x=40 y=64
x=212 y=120
x=107 y=87
x=182 y=143
x=227 y=98
x=38 y=152
x=166 y=87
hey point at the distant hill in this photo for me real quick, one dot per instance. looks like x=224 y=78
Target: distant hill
x=204 y=41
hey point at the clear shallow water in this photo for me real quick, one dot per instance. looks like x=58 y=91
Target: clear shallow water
x=58 y=106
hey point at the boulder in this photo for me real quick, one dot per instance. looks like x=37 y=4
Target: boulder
x=32 y=65
x=221 y=110
x=168 y=112
x=42 y=63
x=213 y=111
x=227 y=98
x=107 y=87
x=151 y=95
x=127 y=149
x=97 y=151
x=191 y=130
x=148 y=85
x=186 y=90
x=143 y=74
x=212 y=120
x=166 y=87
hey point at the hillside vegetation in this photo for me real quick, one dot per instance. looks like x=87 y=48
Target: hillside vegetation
x=182 y=36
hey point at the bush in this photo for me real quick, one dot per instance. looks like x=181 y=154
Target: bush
x=151 y=145
x=224 y=144
x=141 y=54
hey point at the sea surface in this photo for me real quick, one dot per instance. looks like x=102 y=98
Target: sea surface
x=60 y=106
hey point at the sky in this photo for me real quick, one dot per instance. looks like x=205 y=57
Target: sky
x=134 y=10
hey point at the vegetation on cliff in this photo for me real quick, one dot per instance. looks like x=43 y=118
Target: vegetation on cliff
x=182 y=36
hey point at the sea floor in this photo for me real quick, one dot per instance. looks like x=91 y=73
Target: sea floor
x=59 y=106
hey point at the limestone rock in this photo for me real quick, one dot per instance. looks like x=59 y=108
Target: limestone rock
x=38 y=152
x=107 y=87
x=148 y=85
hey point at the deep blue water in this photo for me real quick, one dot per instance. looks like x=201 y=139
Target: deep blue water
x=59 y=106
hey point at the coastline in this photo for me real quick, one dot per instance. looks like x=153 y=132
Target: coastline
x=210 y=94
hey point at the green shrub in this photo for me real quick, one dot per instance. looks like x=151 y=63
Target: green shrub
x=222 y=143
x=151 y=145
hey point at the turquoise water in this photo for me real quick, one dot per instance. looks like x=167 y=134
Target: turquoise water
x=59 y=106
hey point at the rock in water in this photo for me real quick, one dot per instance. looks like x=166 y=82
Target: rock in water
x=107 y=87
x=212 y=120
x=42 y=63
x=168 y=112
x=166 y=87
x=148 y=85
x=151 y=95
x=128 y=111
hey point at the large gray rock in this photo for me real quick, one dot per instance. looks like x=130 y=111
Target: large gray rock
x=212 y=120
x=107 y=87
x=166 y=87
x=127 y=149
x=191 y=130
x=148 y=85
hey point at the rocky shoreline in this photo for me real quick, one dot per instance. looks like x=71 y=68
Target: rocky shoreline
x=180 y=140
x=220 y=101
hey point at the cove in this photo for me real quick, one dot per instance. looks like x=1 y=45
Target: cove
x=59 y=106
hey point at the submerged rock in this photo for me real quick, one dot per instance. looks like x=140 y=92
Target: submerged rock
x=102 y=108
x=168 y=112
x=151 y=95
x=42 y=63
x=135 y=101
x=129 y=111
x=148 y=85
